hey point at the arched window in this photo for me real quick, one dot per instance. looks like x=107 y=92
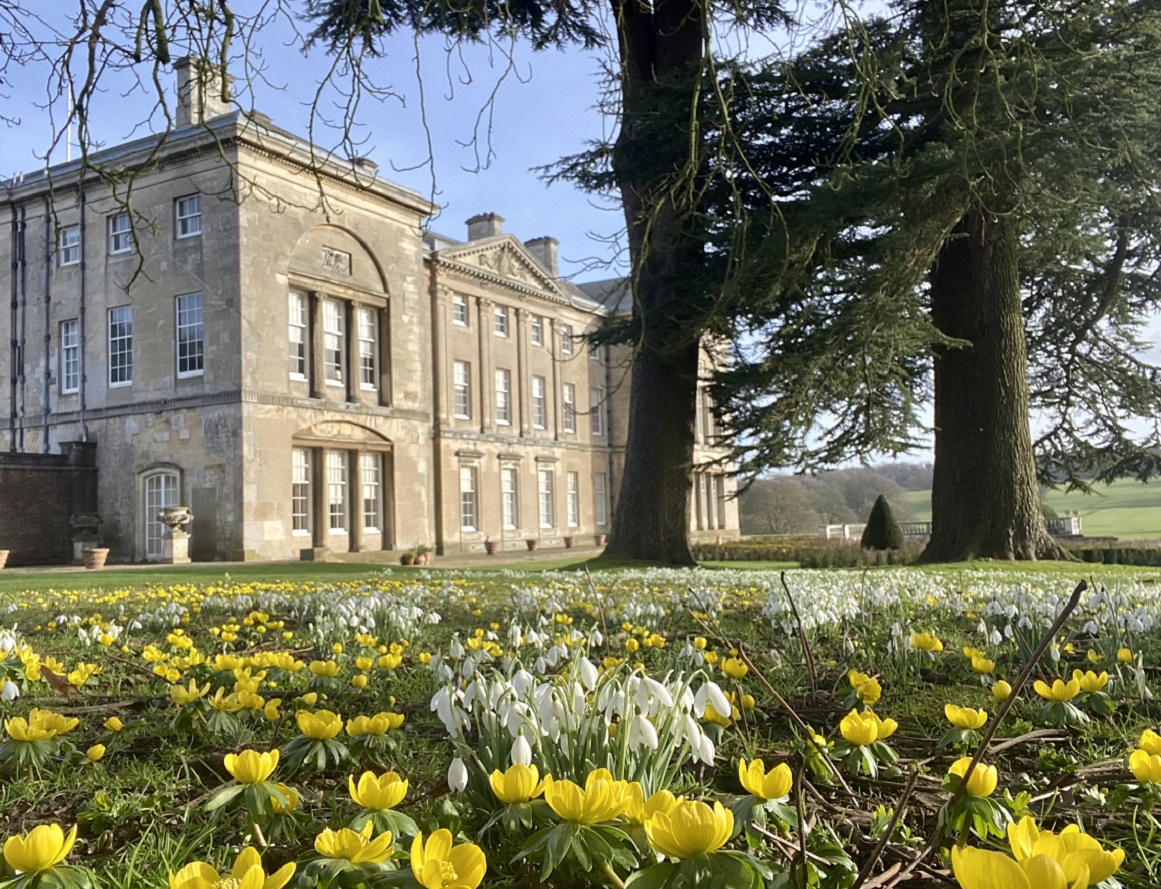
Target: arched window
x=159 y=490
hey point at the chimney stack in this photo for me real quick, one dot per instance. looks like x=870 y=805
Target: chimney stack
x=544 y=249
x=199 y=91
x=485 y=225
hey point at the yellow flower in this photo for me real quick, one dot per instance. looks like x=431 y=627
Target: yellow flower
x=981 y=869
x=19 y=729
x=774 y=784
x=1145 y=766
x=1089 y=681
x=247 y=873
x=1150 y=742
x=748 y=702
x=438 y=864
x=734 y=668
x=983 y=778
x=519 y=784
x=601 y=799
x=1001 y=691
x=639 y=810
x=328 y=669
x=270 y=710
x=1060 y=691
x=319 y=726
x=292 y=800
x=965 y=717
x=855 y=678
x=712 y=715
x=690 y=828
x=983 y=664
x=357 y=848
x=926 y=642
x=53 y=721
x=376 y=725
x=376 y=793
x=95 y=753
x=114 y=724
x=971 y=653
x=41 y=848
x=1094 y=656
x=1125 y=655
x=860 y=728
x=1074 y=852
x=250 y=766
x=359 y=680
x=869 y=692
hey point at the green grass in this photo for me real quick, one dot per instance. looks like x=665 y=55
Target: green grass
x=1125 y=509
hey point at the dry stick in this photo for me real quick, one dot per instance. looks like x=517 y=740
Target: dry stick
x=885 y=838
x=801 y=637
x=600 y=607
x=1029 y=666
x=801 y=824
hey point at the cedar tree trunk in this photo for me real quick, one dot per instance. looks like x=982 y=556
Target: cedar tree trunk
x=985 y=502
x=661 y=46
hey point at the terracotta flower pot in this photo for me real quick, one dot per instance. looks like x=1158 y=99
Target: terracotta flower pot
x=95 y=558
x=569 y=542
x=3 y=557
x=490 y=547
x=533 y=543
x=407 y=559
x=600 y=539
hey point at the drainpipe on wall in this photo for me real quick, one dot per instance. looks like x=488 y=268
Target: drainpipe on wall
x=81 y=316
x=46 y=406
x=23 y=343
x=437 y=358
x=12 y=327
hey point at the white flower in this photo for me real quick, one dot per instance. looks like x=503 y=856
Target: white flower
x=705 y=751
x=10 y=692
x=710 y=693
x=596 y=639
x=521 y=751
x=457 y=775
x=642 y=732
x=587 y=672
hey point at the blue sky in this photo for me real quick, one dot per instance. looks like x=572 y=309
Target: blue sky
x=544 y=108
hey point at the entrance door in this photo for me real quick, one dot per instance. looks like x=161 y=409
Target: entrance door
x=160 y=492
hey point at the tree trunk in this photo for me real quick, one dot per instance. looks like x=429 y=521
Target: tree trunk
x=661 y=48
x=985 y=502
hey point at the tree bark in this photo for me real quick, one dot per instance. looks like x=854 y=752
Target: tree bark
x=661 y=46
x=985 y=502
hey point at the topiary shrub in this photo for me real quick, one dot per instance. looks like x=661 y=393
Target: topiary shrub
x=882 y=531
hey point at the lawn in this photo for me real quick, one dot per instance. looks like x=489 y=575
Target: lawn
x=1125 y=509
x=306 y=711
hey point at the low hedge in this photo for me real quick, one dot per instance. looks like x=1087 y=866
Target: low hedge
x=836 y=554
x=1146 y=556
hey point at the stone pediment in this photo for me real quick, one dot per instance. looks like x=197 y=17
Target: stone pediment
x=504 y=258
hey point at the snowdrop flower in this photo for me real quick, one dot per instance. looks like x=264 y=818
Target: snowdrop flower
x=995 y=638
x=521 y=751
x=522 y=681
x=705 y=751
x=642 y=733
x=651 y=692
x=457 y=775
x=587 y=672
x=10 y=691
x=596 y=639
x=456 y=649
x=710 y=693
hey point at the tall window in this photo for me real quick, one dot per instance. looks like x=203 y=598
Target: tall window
x=509 y=498
x=544 y=496
x=370 y=469
x=120 y=233
x=568 y=403
x=297 y=334
x=572 y=498
x=539 y=404
x=337 y=491
x=300 y=495
x=597 y=411
x=462 y=384
x=565 y=339
x=70 y=356
x=121 y=346
x=460 y=310
x=501 y=320
x=594 y=352
x=503 y=397
x=160 y=492
x=334 y=341
x=469 y=517
x=70 y=245
x=191 y=335
x=189 y=216
x=368 y=348
x=537 y=330
x=601 y=498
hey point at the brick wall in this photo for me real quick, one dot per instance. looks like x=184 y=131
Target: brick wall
x=38 y=493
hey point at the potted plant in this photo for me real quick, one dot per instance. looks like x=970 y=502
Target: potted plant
x=569 y=542
x=600 y=539
x=3 y=557
x=423 y=554
x=533 y=543
x=490 y=546
x=407 y=558
x=96 y=557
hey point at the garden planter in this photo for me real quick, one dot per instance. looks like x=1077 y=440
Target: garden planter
x=533 y=544
x=96 y=558
x=490 y=547
x=569 y=542
x=407 y=559
x=3 y=557
x=600 y=539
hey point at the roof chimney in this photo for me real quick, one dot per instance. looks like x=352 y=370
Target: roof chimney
x=544 y=249
x=486 y=225
x=200 y=91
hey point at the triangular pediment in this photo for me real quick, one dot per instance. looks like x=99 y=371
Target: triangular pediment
x=505 y=258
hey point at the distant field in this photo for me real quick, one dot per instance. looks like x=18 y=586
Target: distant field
x=1125 y=509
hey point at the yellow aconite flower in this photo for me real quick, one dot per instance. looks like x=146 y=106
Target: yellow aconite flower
x=981 y=869
x=250 y=766
x=860 y=728
x=114 y=724
x=319 y=726
x=600 y=800
x=638 y=809
x=1076 y=853
x=292 y=800
x=357 y=848
x=869 y=692
x=1001 y=691
x=19 y=729
x=886 y=727
x=95 y=753
x=965 y=717
x=38 y=850
x=437 y=864
x=1150 y=742
x=1125 y=655
x=983 y=778
x=1090 y=681
x=518 y=784
x=983 y=664
x=855 y=678
x=53 y=721
x=376 y=725
x=378 y=792
x=247 y=873
x=690 y=828
x=328 y=669
x=774 y=784
x=1059 y=691
x=734 y=668
x=1094 y=656
x=1145 y=766
x=926 y=642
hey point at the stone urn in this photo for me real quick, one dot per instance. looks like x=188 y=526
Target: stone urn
x=175 y=543
x=84 y=526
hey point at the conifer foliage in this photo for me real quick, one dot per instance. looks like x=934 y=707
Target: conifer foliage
x=882 y=531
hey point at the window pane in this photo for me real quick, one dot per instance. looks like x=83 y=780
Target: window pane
x=460 y=310
x=503 y=397
x=597 y=411
x=120 y=234
x=509 y=498
x=160 y=492
x=70 y=356
x=190 y=335
x=599 y=495
x=462 y=385
x=369 y=469
x=572 y=482
x=544 y=497
x=337 y=490
x=539 y=405
x=189 y=216
x=368 y=349
x=297 y=334
x=70 y=245
x=334 y=340
x=569 y=405
x=121 y=346
x=300 y=494
x=468 y=516
x=537 y=330
x=565 y=339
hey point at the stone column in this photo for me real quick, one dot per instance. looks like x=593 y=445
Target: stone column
x=523 y=405
x=487 y=376
x=320 y=527
x=355 y=502
x=554 y=350
x=351 y=373
x=316 y=370
x=383 y=318
x=441 y=373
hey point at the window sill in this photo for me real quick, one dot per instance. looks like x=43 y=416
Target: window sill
x=191 y=374
x=124 y=385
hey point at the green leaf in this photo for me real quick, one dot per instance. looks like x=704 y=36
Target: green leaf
x=223 y=796
x=655 y=877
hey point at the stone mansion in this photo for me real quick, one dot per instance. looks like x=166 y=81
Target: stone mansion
x=275 y=341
